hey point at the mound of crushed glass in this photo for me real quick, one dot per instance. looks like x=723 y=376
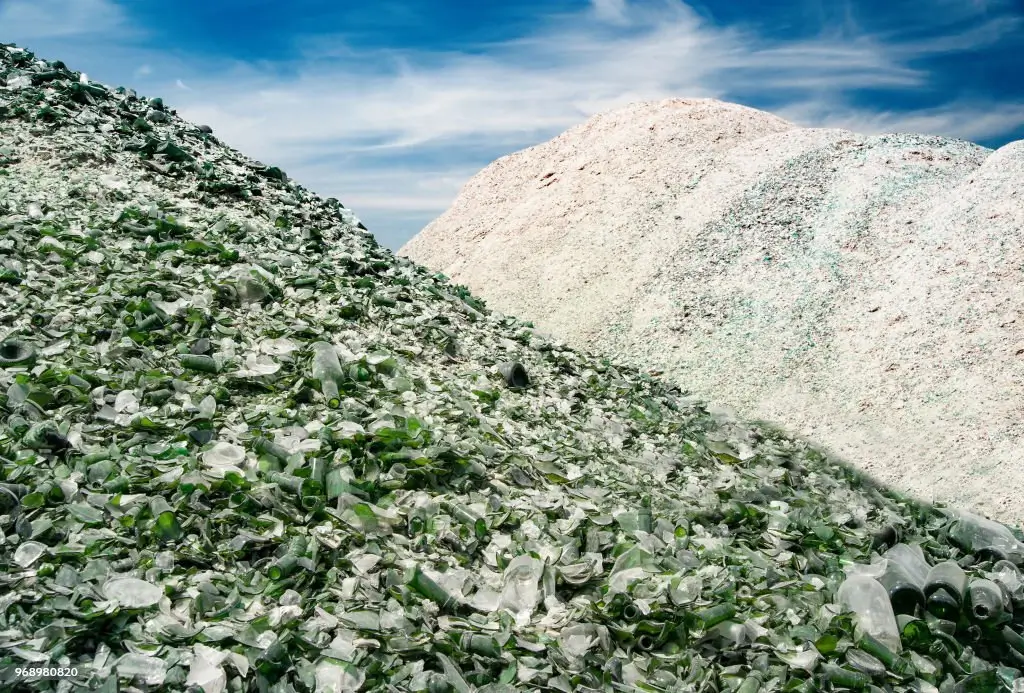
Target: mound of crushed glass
x=246 y=449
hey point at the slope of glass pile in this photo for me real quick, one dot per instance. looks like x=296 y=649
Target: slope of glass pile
x=183 y=508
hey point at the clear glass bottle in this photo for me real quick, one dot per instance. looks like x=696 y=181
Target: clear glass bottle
x=869 y=601
x=326 y=371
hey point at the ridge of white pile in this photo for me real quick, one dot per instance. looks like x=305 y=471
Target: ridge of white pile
x=864 y=291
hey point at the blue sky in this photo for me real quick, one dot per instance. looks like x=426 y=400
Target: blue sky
x=391 y=105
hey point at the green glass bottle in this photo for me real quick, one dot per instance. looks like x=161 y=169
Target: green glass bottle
x=645 y=518
x=268 y=447
x=985 y=538
x=986 y=602
x=845 y=678
x=479 y=643
x=201 y=363
x=944 y=590
x=303 y=488
x=421 y=583
x=914 y=633
x=904 y=578
x=708 y=618
x=287 y=563
x=468 y=518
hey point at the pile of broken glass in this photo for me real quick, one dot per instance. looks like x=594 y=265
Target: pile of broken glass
x=244 y=448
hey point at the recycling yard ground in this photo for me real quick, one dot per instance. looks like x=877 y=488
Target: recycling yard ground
x=180 y=509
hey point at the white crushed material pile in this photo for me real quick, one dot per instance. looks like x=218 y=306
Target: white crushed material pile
x=863 y=291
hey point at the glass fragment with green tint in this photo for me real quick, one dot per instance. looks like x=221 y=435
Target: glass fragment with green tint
x=165 y=525
x=1009 y=576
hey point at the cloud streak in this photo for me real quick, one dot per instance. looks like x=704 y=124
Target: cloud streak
x=969 y=121
x=395 y=132
x=33 y=20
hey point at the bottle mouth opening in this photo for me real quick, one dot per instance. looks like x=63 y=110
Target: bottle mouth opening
x=645 y=642
x=515 y=375
x=982 y=611
x=15 y=352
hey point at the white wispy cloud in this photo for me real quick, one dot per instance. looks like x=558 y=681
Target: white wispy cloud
x=408 y=190
x=394 y=133
x=613 y=11
x=969 y=121
x=31 y=20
